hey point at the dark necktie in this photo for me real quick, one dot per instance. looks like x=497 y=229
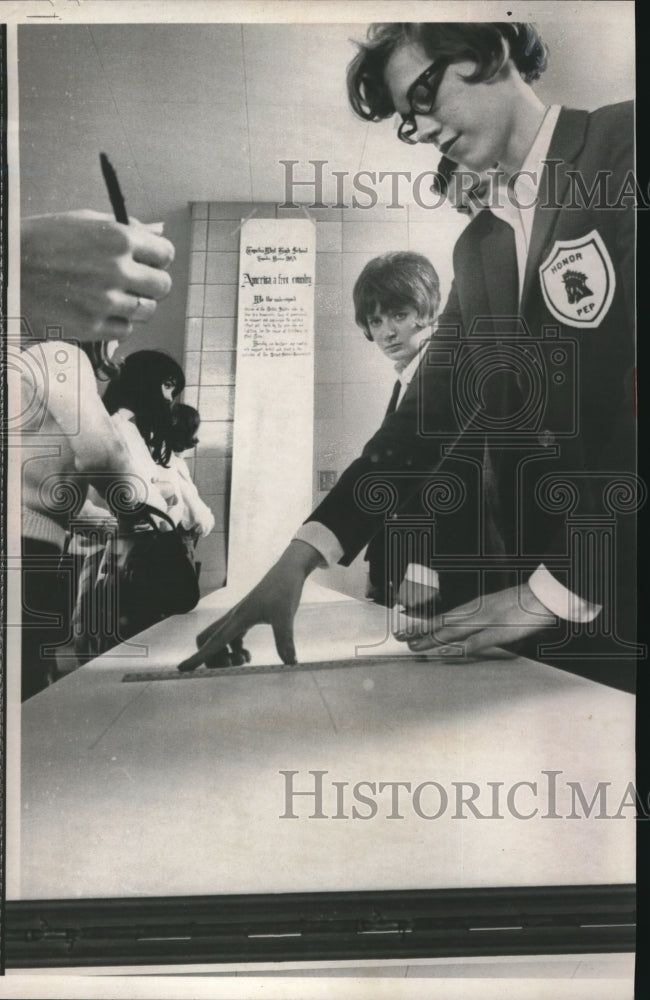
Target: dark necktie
x=392 y=406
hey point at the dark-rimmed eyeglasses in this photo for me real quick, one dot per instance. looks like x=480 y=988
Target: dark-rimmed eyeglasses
x=421 y=97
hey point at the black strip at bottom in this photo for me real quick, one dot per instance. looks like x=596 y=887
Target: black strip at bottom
x=320 y=926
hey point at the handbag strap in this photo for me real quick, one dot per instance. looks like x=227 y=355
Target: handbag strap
x=149 y=513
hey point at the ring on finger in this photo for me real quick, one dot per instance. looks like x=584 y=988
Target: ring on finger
x=141 y=310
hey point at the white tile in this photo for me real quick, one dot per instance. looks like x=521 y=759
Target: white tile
x=197 y=267
x=199 y=235
x=329 y=333
x=212 y=474
x=238 y=210
x=218 y=368
x=193 y=333
x=379 y=237
x=220 y=300
x=217 y=434
x=328 y=366
x=222 y=268
x=379 y=212
x=329 y=236
x=191 y=396
x=328 y=300
x=191 y=366
x=327 y=437
x=223 y=234
x=328 y=400
x=305 y=210
x=212 y=469
x=216 y=402
x=329 y=268
x=219 y=333
x=195 y=297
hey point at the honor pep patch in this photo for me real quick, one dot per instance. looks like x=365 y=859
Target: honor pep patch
x=578 y=280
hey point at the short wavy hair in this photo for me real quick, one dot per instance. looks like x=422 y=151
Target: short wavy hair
x=396 y=280
x=488 y=43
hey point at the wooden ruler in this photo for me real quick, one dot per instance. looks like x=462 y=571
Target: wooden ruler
x=204 y=673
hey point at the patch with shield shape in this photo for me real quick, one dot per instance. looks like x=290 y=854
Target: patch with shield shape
x=578 y=280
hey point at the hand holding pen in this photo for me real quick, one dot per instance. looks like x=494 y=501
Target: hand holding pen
x=90 y=275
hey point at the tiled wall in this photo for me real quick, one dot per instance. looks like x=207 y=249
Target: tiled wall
x=353 y=380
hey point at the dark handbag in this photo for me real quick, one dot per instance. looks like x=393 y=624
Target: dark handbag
x=141 y=576
x=154 y=571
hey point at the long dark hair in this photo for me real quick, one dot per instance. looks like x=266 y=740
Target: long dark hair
x=137 y=386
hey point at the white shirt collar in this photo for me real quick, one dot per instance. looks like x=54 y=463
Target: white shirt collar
x=520 y=208
x=516 y=203
x=534 y=162
x=406 y=375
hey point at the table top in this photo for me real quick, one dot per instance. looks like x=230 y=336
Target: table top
x=164 y=787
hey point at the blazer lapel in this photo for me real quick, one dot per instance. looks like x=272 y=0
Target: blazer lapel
x=486 y=273
x=567 y=141
x=499 y=260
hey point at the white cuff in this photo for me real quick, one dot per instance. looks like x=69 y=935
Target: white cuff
x=321 y=539
x=558 y=599
x=426 y=577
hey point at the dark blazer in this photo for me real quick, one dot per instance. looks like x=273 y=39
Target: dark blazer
x=536 y=395
x=429 y=521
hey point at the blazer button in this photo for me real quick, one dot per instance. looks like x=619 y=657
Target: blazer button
x=546 y=438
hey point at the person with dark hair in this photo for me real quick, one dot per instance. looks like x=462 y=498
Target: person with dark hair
x=185 y=428
x=537 y=392
x=139 y=399
x=190 y=513
x=494 y=50
x=142 y=393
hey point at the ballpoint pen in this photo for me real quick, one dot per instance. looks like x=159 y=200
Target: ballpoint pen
x=104 y=349
x=113 y=188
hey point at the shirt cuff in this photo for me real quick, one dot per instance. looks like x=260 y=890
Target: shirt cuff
x=423 y=575
x=558 y=599
x=321 y=539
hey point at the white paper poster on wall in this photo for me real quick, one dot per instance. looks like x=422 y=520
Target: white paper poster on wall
x=271 y=492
